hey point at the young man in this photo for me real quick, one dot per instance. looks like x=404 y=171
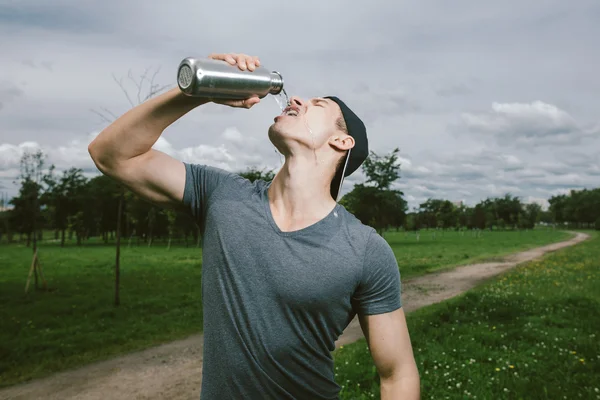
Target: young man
x=285 y=267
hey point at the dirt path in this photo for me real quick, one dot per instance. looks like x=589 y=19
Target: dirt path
x=174 y=371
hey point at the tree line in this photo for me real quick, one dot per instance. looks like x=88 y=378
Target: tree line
x=72 y=206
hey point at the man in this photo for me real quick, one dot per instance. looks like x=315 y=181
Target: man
x=285 y=267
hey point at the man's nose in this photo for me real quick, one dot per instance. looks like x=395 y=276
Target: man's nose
x=295 y=100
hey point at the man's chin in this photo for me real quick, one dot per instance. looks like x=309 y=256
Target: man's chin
x=279 y=127
x=281 y=134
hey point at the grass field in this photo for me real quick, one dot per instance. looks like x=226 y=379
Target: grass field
x=436 y=250
x=533 y=333
x=75 y=322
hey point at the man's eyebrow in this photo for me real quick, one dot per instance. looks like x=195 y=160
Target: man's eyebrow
x=320 y=100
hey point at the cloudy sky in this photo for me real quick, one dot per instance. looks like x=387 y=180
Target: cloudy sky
x=482 y=98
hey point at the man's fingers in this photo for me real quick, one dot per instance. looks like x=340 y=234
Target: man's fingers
x=251 y=63
x=230 y=59
x=243 y=61
x=248 y=103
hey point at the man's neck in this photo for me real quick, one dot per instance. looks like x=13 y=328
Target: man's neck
x=299 y=195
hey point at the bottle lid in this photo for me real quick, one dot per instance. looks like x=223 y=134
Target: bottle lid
x=276 y=82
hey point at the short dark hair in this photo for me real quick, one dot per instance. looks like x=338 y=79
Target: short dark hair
x=341 y=125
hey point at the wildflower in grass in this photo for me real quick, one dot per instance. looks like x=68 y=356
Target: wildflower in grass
x=582 y=360
x=511 y=366
x=497 y=369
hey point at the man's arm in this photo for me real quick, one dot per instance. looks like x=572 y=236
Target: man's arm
x=124 y=151
x=389 y=343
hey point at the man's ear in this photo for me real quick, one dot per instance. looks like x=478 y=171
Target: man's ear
x=345 y=142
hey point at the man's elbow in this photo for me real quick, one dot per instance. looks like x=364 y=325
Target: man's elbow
x=102 y=157
x=97 y=156
x=103 y=152
x=402 y=382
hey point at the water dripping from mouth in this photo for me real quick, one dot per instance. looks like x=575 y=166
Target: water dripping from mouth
x=312 y=135
x=282 y=101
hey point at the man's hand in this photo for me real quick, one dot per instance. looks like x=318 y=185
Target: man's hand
x=244 y=62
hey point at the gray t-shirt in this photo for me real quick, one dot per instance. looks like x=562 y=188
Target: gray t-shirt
x=275 y=302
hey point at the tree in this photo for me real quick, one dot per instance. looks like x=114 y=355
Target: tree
x=557 y=208
x=479 y=216
x=464 y=216
x=508 y=209
x=5 y=218
x=377 y=205
x=26 y=212
x=254 y=174
x=65 y=198
x=27 y=203
x=531 y=215
x=546 y=217
x=172 y=218
x=438 y=213
x=580 y=207
x=382 y=171
x=101 y=209
x=142 y=94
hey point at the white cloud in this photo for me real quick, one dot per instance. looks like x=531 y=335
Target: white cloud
x=527 y=123
x=10 y=155
x=75 y=154
x=456 y=60
x=537 y=200
x=233 y=135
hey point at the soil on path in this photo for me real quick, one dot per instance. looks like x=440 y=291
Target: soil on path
x=174 y=371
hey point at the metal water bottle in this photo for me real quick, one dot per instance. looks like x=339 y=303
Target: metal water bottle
x=205 y=77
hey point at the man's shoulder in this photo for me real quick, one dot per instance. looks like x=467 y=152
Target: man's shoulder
x=355 y=228
x=359 y=231
x=225 y=180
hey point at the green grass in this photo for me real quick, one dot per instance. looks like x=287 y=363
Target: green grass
x=436 y=250
x=533 y=333
x=75 y=322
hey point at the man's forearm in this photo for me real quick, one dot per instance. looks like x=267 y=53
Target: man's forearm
x=404 y=388
x=135 y=132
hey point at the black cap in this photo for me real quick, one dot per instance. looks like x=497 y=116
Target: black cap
x=359 y=153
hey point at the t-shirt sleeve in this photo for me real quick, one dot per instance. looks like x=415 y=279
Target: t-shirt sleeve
x=379 y=288
x=201 y=181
